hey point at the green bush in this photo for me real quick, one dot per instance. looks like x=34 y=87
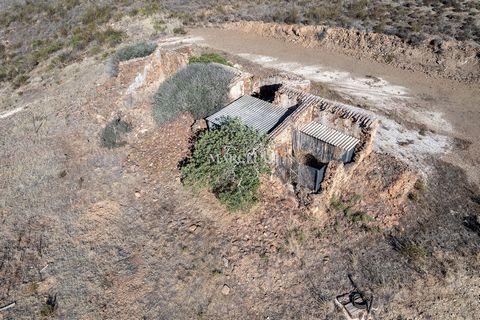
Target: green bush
x=209 y=58
x=112 y=135
x=200 y=89
x=229 y=161
x=137 y=50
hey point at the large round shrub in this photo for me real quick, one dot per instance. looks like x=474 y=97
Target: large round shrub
x=201 y=89
x=229 y=161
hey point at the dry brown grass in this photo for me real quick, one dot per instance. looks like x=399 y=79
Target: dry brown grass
x=114 y=234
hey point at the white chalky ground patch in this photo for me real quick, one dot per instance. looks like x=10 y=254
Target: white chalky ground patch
x=178 y=40
x=373 y=90
x=409 y=145
x=139 y=80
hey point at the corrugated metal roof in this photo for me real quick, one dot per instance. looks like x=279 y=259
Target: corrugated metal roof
x=330 y=135
x=253 y=112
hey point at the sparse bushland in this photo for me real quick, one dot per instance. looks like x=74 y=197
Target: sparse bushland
x=209 y=58
x=75 y=44
x=113 y=134
x=200 y=89
x=228 y=161
x=79 y=24
x=137 y=50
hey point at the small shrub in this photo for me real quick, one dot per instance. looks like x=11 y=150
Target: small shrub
x=159 y=26
x=180 y=30
x=388 y=58
x=420 y=186
x=337 y=203
x=149 y=9
x=48 y=309
x=295 y=235
x=293 y=15
x=358 y=9
x=229 y=161
x=63 y=59
x=264 y=258
x=112 y=135
x=415 y=40
x=45 y=51
x=209 y=58
x=414 y=251
x=138 y=50
x=221 y=9
x=361 y=217
x=81 y=37
x=409 y=248
x=200 y=89
x=413 y=196
x=20 y=80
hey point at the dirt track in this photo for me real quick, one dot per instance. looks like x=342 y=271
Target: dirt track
x=446 y=107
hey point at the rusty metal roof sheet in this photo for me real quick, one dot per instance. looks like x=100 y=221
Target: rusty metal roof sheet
x=254 y=113
x=330 y=135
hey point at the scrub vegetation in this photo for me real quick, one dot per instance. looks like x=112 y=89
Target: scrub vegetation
x=66 y=31
x=114 y=132
x=228 y=161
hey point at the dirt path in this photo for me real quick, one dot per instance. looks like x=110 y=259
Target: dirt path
x=449 y=109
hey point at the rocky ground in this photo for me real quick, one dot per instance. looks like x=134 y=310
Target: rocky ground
x=112 y=233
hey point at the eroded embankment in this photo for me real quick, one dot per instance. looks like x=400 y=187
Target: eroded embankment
x=448 y=59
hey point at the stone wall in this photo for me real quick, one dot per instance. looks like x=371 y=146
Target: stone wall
x=149 y=72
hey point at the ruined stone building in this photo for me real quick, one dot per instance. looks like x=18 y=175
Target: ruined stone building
x=314 y=143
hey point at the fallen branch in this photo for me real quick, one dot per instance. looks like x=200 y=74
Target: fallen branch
x=8 y=306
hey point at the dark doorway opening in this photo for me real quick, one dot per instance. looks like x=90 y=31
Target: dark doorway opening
x=309 y=160
x=267 y=92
